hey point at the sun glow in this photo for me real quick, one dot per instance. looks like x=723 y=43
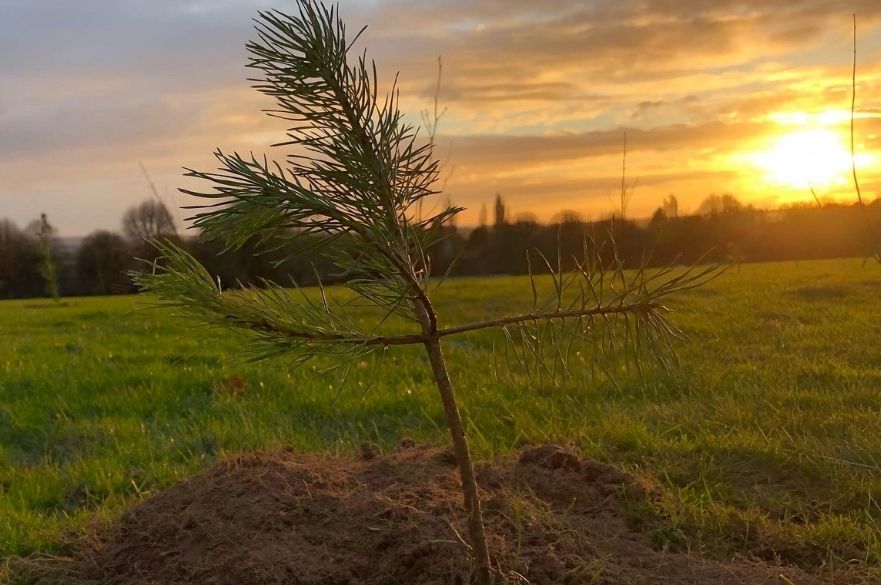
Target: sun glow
x=806 y=158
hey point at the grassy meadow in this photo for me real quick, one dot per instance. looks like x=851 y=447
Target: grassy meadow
x=766 y=440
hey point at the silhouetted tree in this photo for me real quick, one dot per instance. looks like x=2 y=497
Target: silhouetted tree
x=148 y=220
x=670 y=206
x=499 y=218
x=718 y=204
x=570 y=237
x=19 y=263
x=625 y=193
x=481 y=217
x=102 y=264
x=659 y=217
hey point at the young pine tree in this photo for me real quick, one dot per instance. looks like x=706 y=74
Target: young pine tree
x=353 y=183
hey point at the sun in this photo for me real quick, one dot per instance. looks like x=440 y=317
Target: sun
x=806 y=158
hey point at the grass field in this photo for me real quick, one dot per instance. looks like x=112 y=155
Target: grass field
x=767 y=440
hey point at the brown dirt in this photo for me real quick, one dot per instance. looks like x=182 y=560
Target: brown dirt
x=297 y=519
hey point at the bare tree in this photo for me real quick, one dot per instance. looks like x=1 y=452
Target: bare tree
x=357 y=187
x=148 y=220
x=625 y=194
x=719 y=204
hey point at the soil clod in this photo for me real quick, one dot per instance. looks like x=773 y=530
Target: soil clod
x=551 y=457
x=369 y=451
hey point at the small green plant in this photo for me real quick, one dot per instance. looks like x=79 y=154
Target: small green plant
x=354 y=184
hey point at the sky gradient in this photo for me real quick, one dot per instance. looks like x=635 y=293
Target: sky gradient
x=715 y=96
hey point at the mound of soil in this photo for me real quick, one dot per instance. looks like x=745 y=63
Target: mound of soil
x=297 y=519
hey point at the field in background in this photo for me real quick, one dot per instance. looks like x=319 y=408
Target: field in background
x=766 y=441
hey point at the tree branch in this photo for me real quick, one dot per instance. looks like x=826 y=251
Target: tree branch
x=641 y=308
x=384 y=340
x=601 y=311
x=369 y=147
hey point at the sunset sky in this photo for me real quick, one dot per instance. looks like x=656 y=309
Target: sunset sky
x=715 y=96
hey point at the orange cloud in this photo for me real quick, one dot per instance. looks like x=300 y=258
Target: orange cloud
x=538 y=94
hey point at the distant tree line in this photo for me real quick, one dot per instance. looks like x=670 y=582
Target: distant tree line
x=34 y=262
x=723 y=230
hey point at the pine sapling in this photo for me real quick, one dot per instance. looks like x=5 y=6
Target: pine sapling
x=352 y=188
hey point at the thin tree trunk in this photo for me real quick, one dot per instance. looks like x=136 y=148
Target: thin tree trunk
x=477 y=536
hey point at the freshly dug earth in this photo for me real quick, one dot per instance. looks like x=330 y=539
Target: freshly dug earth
x=297 y=519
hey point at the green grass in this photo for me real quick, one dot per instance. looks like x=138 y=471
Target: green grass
x=767 y=437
